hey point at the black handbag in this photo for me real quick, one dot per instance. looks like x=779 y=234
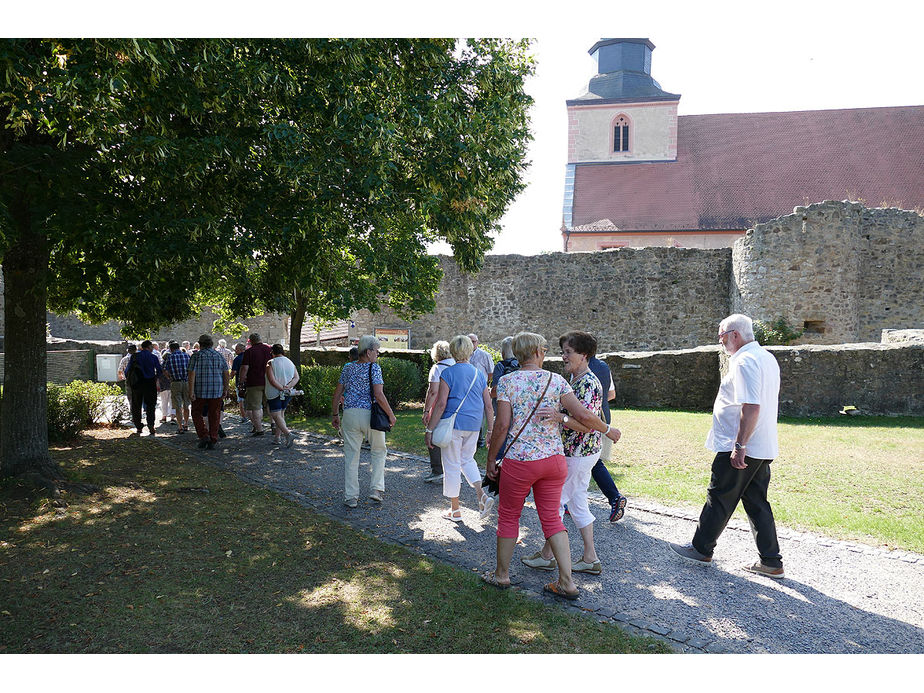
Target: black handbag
x=378 y=420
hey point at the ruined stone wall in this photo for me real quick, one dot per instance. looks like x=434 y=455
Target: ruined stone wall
x=838 y=270
x=651 y=298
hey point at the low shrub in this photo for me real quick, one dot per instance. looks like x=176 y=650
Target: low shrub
x=403 y=381
x=778 y=332
x=318 y=383
x=77 y=405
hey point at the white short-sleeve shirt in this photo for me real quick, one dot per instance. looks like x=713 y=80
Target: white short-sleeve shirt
x=436 y=370
x=753 y=378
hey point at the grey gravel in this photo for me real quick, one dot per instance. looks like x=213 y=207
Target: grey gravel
x=838 y=597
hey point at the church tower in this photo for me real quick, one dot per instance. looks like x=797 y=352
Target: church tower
x=623 y=117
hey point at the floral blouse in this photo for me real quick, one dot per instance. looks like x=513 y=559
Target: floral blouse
x=540 y=439
x=589 y=391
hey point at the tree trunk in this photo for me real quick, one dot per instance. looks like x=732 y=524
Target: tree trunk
x=296 y=322
x=24 y=414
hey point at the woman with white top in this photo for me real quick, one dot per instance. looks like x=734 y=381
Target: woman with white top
x=463 y=391
x=442 y=360
x=281 y=376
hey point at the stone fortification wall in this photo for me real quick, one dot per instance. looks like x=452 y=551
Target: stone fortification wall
x=838 y=270
x=875 y=378
x=272 y=328
x=651 y=298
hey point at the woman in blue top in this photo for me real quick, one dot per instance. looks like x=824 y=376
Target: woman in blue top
x=355 y=390
x=463 y=391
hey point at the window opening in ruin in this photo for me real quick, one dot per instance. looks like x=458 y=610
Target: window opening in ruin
x=621 y=134
x=814 y=326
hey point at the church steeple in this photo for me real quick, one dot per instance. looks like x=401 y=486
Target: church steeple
x=623 y=73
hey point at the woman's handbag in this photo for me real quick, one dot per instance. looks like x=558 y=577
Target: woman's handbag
x=378 y=419
x=492 y=486
x=442 y=432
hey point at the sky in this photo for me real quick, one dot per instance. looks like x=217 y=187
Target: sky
x=721 y=56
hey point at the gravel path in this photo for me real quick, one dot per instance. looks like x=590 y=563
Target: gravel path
x=838 y=597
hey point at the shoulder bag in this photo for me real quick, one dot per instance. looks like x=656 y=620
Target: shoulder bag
x=493 y=485
x=442 y=432
x=378 y=420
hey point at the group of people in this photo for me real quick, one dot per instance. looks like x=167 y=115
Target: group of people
x=547 y=434
x=195 y=382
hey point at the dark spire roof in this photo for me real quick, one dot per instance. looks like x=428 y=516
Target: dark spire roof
x=623 y=73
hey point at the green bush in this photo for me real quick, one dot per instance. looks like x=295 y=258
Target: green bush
x=403 y=380
x=77 y=405
x=777 y=332
x=318 y=384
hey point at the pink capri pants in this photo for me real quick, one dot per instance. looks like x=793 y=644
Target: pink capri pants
x=545 y=477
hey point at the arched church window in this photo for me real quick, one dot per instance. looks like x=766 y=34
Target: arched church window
x=621 y=134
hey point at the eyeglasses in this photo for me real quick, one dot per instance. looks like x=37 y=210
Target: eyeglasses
x=722 y=334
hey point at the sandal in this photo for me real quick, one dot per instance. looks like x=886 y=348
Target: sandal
x=454 y=515
x=492 y=580
x=539 y=563
x=485 y=505
x=555 y=590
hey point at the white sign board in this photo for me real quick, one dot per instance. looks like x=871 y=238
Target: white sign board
x=393 y=337
x=107 y=367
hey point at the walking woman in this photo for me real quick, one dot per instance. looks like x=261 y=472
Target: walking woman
x=582 y=447
x=281 y=376
x=360 y=380
x=464 y=392
x=534 y=459
x=441 y=361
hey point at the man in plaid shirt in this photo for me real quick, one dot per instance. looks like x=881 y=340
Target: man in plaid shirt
x=208 y=386
x=176 y=366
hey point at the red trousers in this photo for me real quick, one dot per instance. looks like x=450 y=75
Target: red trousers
x=214 y=409
x=545 y=477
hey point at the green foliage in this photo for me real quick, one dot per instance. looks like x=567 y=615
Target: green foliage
x=77 y=405
x=494 y=353
x=403 y=381
x=777 y=332
x=318 y=383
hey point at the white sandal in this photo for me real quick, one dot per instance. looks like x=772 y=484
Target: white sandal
x=485 y=505
x=451 y=515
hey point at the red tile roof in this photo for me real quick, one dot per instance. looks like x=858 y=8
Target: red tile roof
x=733 y=170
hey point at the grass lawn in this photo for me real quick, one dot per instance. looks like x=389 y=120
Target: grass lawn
x=856 y=478
x=153 y=563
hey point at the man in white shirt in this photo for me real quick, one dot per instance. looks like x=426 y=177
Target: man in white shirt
x=743 y=436
x=482 y=360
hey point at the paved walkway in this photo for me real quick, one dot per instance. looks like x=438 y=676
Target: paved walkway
x=839 y=597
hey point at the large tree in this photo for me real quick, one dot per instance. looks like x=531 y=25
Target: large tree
x=138 y=178
x=388 y=146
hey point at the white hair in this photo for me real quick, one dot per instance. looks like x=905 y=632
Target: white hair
x=222 y=343
x=742 y=324
x=367 y=342
x=507 y=348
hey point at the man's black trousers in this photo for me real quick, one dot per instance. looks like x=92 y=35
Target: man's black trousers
x=146 y=391
x=727 y=486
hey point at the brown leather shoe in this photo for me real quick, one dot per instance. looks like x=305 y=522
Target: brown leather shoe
x=768 y=570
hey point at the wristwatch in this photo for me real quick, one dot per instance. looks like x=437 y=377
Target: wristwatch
x=739 y=446
x=565 y=419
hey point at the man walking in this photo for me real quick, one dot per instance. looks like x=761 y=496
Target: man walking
x=253 y=375
x=744 y=438
x=176 y=366
x=601 y=475
x=208 y=386
x=141 y=373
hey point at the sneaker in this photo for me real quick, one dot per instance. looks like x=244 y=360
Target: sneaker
x=290 y=439
x=203 y=443
x=377 y=496
x=583 y=566
x=351 y=502
x=433 y=477
x=539 y=563
x=691 y=554
x=211 y=445
x=768 y=570
x=618 y=509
